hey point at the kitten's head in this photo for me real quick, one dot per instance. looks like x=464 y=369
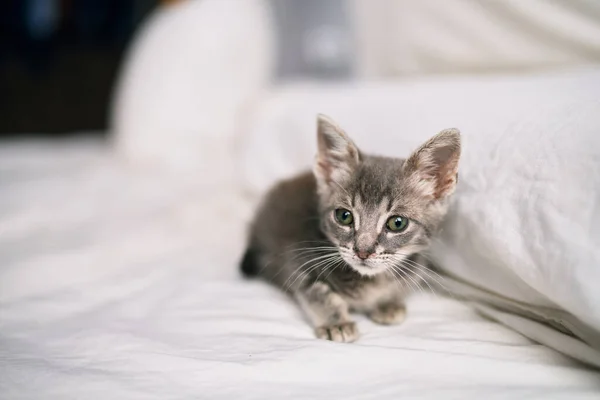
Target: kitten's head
x=378 y=210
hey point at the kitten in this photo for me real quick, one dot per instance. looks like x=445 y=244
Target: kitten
x=341 y=239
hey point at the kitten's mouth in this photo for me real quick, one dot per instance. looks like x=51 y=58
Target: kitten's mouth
x=365 y=267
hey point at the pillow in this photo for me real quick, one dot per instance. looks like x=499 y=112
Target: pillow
x=525 y=225
x=181 y=89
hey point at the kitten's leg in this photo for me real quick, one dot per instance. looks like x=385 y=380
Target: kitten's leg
x=389 y=312
x=328 y=313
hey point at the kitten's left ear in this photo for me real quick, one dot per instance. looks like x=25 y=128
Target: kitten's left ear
x=434 y=166
x=337 y=156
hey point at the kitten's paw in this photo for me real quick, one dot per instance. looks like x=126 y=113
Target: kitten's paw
x=388 y=314
x=345 y=332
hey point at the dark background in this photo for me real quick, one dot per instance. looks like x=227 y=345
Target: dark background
x=59 y=60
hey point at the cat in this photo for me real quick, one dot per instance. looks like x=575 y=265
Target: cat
x=348 y=237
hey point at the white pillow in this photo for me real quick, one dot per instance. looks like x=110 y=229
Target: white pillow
x=188 y=76
x=526 y=222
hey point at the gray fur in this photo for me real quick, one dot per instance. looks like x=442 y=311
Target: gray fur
x=297 y=243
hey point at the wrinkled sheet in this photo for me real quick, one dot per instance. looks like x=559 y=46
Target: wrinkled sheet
x=524 y=224
x=118 y=283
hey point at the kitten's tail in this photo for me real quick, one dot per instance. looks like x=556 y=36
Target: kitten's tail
x=249 y=264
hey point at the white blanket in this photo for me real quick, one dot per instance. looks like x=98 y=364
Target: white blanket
x=122 y=284
x=525 y=220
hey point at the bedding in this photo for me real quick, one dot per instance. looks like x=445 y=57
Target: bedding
x=118 y=263
x=119 y=282
x=524 y=225
x=122 y=283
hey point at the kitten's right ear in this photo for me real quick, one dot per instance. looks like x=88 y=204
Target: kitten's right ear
x=433 y=168
x=337 y=155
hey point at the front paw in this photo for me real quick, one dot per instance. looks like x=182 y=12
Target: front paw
x=344 y=332
x=388 y=314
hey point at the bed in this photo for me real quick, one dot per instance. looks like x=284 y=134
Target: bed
x=113 y=286
x=119 y=264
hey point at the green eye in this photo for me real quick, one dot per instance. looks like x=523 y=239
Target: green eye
x=397 y=224
x=343 y=216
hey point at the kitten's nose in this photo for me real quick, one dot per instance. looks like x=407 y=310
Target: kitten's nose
x=363 y=254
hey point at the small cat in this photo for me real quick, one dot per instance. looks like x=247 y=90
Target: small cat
x=343 y=238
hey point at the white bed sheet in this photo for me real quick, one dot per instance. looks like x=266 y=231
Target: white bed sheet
x=122 y=284
x=530 y=166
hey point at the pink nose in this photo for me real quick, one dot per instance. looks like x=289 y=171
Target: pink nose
x=363 y=254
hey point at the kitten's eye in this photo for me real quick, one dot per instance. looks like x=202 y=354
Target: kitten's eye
x=397 y=224
x=343 y=216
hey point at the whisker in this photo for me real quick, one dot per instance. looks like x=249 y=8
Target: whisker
x=410 y=277
x=339 y=263
x=324 y=242
x=391 y=271
x=321 y=260
x=298 y=269
x=392 y=267
x=424 y=267
x=300 y=252
x=322 y=264
x=407 y=276
x=307 y=254
x=428 y=272
x=421 y=278
x=331 y=264
x=311 y=248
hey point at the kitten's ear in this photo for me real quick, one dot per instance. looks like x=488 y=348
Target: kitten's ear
x=433 y=168
x=337 y=155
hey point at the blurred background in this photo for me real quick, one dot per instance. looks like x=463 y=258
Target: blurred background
x=60 y=59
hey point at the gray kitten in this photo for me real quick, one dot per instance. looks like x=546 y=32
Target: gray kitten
x=347 y=237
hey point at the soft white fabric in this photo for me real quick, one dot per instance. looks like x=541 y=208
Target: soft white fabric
x=529 y=205
x=187 y=78
x=525 y=223
x=120 y=284
x=398 y=37
x=195 y=69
